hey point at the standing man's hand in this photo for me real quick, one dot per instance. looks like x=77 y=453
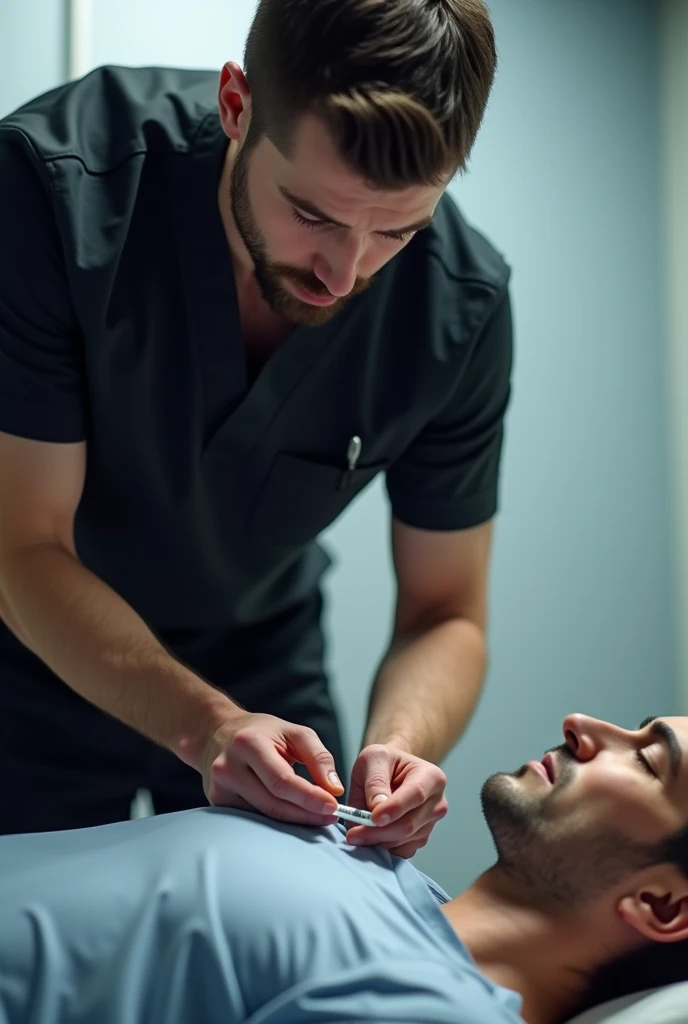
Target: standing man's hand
x=398 y=785
x=248 y=763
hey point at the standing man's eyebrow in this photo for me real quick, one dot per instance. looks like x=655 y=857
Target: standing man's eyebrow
x=308 y=207
x=665 y=733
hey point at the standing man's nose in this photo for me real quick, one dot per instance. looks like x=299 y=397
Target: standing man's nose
x=337 y=267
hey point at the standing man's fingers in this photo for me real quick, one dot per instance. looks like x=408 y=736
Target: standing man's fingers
x=257 y=751
x=309 y=749
x=257 y=797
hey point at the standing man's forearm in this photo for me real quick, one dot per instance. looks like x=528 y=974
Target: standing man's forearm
x=427 y=688
x=97 y=644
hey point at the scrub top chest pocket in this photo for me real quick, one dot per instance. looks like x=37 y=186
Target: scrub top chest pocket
x=303 y=494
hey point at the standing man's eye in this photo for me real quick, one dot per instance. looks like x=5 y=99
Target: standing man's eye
x=395 y=236
x=305 y=221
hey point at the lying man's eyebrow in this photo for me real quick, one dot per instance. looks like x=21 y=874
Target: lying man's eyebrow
x=308 y=207
x=665 y=733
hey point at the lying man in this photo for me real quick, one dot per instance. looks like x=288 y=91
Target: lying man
x=222 y=915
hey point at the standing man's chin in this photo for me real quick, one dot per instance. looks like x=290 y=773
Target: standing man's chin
x=298 y=313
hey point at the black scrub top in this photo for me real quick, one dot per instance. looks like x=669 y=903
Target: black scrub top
x=119 y=325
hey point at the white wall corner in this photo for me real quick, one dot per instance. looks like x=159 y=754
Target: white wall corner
x=674 y=121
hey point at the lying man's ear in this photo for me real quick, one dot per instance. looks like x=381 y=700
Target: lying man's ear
x=658 y=910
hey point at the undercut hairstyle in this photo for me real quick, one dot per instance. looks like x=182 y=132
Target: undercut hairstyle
x=655 y=964
x=402 y=85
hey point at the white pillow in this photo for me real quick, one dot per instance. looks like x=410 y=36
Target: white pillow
x=667 y=1005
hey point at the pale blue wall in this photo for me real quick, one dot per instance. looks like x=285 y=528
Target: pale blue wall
x=565 y=180
x=32 y=49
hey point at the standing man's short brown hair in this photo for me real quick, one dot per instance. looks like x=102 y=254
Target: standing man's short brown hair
x=402 y=84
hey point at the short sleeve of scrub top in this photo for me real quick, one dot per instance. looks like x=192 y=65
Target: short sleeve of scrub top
x=447 y=479
x=42 y=390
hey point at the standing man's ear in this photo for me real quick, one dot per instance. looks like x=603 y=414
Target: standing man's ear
x=234 y=100
x=659 y=910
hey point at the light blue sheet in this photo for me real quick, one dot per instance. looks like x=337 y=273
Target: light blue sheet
x=216 y=915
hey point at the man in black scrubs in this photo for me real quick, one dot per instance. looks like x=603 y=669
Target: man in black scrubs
x=218 y=322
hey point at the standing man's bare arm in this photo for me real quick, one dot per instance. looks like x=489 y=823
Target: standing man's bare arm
x=430 y=681
x=97 y=644
x=88 y=635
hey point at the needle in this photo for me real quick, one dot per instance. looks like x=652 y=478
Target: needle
x=353 y=814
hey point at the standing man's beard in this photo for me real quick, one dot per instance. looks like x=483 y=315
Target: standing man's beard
x=268 y=274
x=558 y=864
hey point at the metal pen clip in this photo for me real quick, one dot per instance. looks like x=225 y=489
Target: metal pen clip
x=353 y=454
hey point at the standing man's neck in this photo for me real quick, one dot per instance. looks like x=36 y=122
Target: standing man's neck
x=547 y=960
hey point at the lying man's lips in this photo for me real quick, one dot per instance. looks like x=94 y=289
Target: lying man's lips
x=548 y=763
x=539 y=768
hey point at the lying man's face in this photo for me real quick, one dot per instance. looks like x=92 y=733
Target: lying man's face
x=595 y=810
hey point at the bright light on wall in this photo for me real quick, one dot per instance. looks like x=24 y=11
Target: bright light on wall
x=79 y=38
